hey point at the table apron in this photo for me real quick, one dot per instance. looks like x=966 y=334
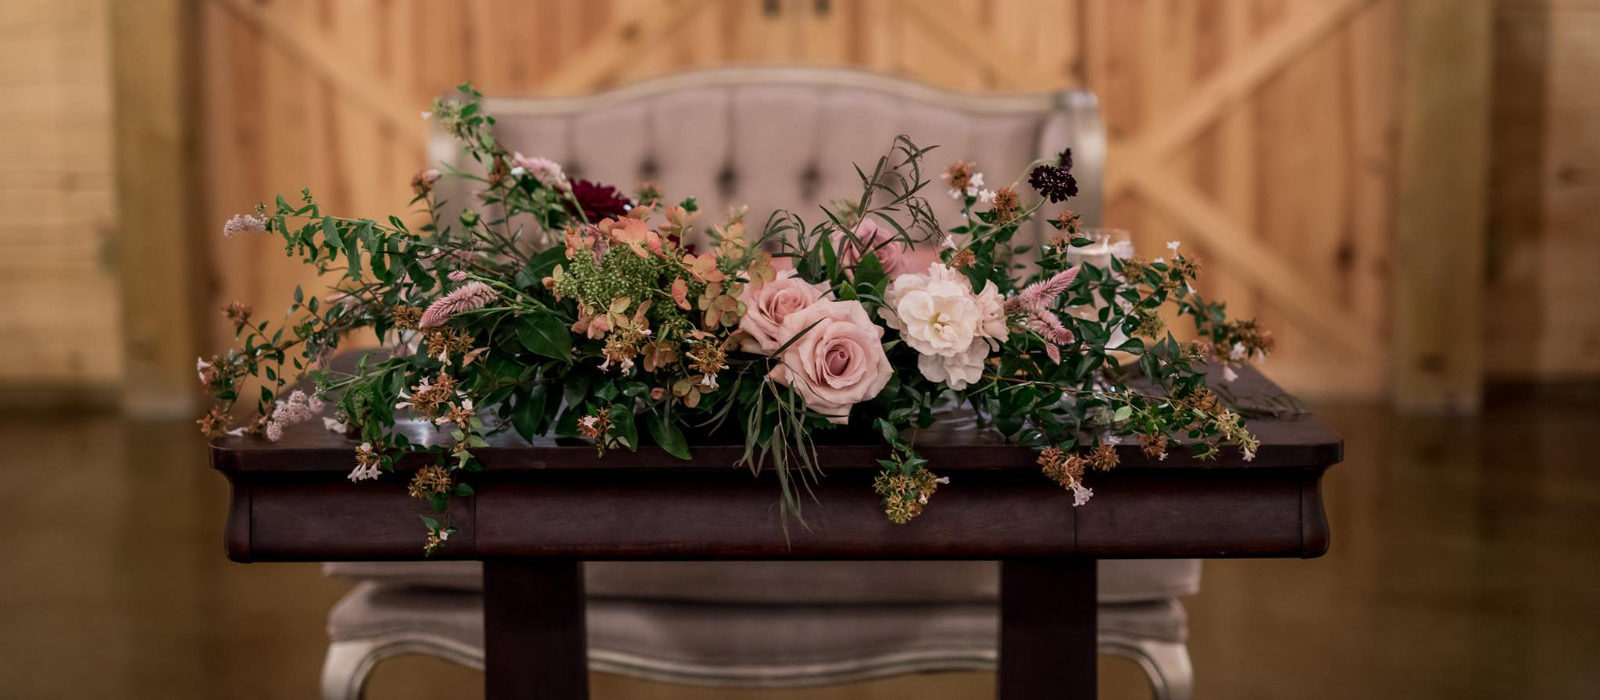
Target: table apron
x=1143 y=514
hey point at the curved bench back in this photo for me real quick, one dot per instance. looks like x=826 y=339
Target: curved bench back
x=785 y=138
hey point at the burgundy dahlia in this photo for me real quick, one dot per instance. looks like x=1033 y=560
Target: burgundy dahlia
x=599 y=201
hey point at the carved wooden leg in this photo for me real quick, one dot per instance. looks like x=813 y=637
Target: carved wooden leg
x=534 y=639
x=1047 y=628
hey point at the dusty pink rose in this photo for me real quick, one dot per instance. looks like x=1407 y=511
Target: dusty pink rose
x=870 y=237
x=766 y=305
x=836 y=364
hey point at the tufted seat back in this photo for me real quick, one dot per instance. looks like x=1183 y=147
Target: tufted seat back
x=786 y=138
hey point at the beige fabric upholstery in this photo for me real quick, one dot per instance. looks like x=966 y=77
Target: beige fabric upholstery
x=776 y=138
x=732 y=636
x=821 y=582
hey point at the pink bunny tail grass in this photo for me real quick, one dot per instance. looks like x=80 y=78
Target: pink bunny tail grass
x=1037 y=297
x=469 y=296
x=1049 y=327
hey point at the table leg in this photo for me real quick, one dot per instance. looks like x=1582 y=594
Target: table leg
x=1047 y=628
x=535 y=644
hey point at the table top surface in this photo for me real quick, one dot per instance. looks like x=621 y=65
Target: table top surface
x=1290 y=437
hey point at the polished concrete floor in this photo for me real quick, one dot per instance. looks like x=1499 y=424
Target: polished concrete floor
x=1465 y=564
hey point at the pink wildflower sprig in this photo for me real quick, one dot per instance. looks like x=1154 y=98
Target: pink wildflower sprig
x=244 y=223
x=1041 y=295
x=468 y=297
x=1034 y=303
x=298 y=408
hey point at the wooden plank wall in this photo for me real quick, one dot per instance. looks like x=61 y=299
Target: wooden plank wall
x=325 y=93
x=1544 y=255
x=1440 y=203
x=60 y=314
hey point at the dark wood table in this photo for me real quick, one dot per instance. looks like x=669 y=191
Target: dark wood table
x=543 y=509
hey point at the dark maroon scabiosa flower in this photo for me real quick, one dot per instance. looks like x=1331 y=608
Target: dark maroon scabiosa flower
x=598 y=201
x=1055 y=181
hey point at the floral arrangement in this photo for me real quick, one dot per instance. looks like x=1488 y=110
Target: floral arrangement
x=554 y=304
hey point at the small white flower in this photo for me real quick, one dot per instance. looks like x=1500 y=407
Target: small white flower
x=362 y=473
x=1081 y=494
x=200 y=367
x=975 y=182
x=1238 y=352
x=986 y=196
x=519 y=171
x=1162 y=458
x=444 y=534
x=1249 y=455
x=334 y=425
x=1228 y=375
x=949 y=242
x=709 y=381
x=1173 y=246
x=1109 y=439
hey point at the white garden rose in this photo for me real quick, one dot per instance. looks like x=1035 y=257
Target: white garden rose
x=936 y=313
x=993 y=308
x=938 y=316
x=958 y=369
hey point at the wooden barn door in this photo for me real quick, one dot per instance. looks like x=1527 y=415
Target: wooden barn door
x=1256 y=131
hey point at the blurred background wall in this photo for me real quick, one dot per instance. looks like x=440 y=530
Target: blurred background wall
x=1324 y=156
x=58 y=272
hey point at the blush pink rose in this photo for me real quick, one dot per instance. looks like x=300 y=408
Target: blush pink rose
x=871 y=237
x=767 y=305
x=836 y=364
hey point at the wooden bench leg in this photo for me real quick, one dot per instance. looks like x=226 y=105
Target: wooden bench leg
x=1047 y=628
x=535 y=644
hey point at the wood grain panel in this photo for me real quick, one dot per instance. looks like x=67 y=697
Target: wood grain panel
x=57 y=199
x=1545 y=177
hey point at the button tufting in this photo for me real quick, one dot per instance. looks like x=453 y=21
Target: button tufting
x=810 y=181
